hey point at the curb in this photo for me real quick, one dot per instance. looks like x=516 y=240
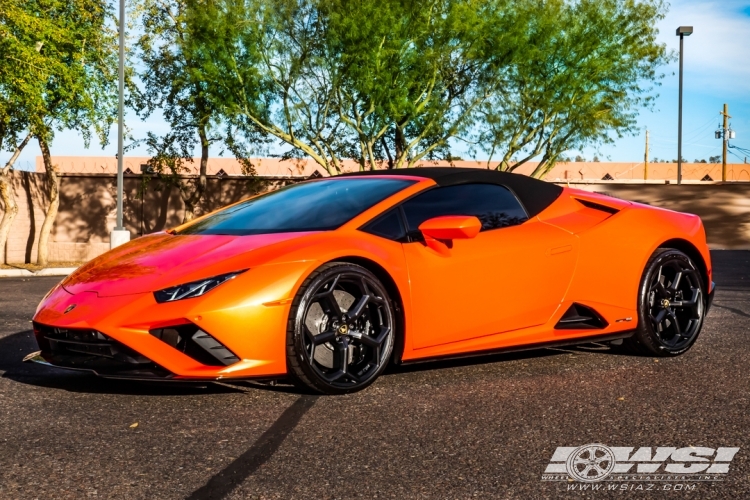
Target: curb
x=24 y=273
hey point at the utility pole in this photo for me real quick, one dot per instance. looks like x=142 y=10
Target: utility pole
x=725 y=138
x=682 y=32
x=645 y=159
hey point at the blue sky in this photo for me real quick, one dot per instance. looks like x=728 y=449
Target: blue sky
x=717 y=71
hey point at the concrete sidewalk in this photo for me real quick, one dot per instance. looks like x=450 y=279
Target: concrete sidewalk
x=49 y=271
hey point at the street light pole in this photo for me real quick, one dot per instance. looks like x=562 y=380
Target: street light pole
x=120 y=235
x=121 y=101
x=682 y=32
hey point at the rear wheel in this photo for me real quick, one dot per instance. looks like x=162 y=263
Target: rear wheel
x=671 y=305
x=341 y=329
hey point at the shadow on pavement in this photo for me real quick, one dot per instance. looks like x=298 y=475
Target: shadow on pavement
x=488 y=358
x=15 y=346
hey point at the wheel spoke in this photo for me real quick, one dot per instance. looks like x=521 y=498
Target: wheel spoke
x=659 y=288
x=365 y=286
x=324 y=337
x=340 y=358
x=329 y=304
x=693 y=303
x=676 y=281
x=376 y=341
x=675 y=324
x=356 y=310
x=659 y=316
x=310 y=335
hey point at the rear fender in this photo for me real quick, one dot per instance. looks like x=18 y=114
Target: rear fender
x=614 y=254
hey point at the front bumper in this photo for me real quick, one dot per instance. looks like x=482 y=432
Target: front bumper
x=101 y=368
x=219 y=336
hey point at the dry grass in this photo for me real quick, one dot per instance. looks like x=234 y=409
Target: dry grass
x=34 y=267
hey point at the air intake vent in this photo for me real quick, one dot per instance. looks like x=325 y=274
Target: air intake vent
x=579 y=317
x=597 y=206
x=83 y=342
x=197 y=344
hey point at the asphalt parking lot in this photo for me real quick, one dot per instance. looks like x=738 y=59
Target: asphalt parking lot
x=479 y=428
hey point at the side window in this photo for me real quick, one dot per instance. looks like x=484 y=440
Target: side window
x=494 y=205
x=387 y=225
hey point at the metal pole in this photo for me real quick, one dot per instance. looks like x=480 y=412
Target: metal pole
x=645 y=159
x=679 y=123
x=724 y=139
x=120 y=124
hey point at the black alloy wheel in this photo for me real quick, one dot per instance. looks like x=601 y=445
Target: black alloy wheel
x=341 y=329
x=671 y=305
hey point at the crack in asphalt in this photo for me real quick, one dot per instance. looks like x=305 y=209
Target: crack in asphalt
x=220 y=485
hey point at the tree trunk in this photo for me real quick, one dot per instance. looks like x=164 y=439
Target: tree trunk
x=11 y=209
x=400 y=145
x=9 y=199
x=192 y=197
x=53 y=183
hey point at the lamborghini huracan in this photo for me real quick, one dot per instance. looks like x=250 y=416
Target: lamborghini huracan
x=325 y=282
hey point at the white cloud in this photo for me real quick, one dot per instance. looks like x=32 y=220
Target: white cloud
x=716 y=54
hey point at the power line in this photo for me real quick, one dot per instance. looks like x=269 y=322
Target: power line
x=692 y=133
x=742 y=150
x=738 y=156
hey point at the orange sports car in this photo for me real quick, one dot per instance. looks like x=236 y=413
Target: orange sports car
x=329 y=280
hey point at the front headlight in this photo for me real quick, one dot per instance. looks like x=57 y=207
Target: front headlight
x=194 y=288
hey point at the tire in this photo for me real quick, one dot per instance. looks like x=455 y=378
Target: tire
x=671 y=305
x=341 y=330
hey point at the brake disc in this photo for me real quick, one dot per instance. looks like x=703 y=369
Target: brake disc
x=317 y=322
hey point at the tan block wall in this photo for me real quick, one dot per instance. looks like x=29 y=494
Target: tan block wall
x=87 y=209
x=32 y=199
x=275 y=167
x=723 y=208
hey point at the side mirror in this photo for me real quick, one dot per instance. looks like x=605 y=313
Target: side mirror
x=439 y=231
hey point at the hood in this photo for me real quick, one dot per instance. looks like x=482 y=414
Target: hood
x=161 y=260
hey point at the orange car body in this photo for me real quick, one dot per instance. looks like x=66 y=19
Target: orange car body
x=584 y=248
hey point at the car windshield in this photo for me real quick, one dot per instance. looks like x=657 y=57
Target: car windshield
x=320 y=205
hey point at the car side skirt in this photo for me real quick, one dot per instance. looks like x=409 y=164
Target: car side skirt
x=525 y=347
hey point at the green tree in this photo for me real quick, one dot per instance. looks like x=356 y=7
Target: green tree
x=371 y=80
x=76 y=80
x=587 y=68
x=171 y=81
x=21 y=71
x=415 y=73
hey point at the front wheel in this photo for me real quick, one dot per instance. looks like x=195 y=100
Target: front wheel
x=671 y=305
x=341 y=329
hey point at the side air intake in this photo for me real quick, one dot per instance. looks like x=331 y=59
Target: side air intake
x=580 y=317
x=597 y=206
x=197 y=344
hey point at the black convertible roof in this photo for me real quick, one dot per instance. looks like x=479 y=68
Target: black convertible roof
x=534 y=194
